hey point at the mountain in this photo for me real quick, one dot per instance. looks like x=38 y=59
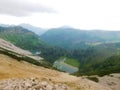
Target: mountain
x=4 y=25
x=21 y=37
x=16 y=73
x=98 y=54
x=74 y=38
x=28 y=40
x=37 y=30
x=101 y=59
x=11 y=50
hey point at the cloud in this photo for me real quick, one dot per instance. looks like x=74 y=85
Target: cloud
x=22 y=8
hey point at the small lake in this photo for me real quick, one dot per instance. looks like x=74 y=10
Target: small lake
x=61 y=65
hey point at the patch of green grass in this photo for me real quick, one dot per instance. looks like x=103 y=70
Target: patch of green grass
x=118 y=51
x=72 y=62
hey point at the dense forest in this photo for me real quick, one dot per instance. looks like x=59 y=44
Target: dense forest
x=92 y=61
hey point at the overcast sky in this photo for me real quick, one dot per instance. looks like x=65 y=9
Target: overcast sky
x=82 y=14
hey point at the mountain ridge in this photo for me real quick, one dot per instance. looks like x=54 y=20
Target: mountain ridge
x=11 y=50
x=37 y=30
x=70 y=37
x=21 y=37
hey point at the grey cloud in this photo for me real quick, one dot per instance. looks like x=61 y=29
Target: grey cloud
x=20 y=8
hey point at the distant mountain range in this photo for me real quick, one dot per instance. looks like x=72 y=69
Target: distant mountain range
x=75 y=38
x=21 y=37
x=36 y=30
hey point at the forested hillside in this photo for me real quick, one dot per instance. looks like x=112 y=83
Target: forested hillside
x=97 y=56
x=74 y=38
x=28 y=40
x=21 y=37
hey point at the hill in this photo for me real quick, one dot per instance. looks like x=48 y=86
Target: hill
x=74 y=38
x=23 y=72
x=20 y=64
x=21 y=37
x=88 y=59
x=28 y=40
x=11 y=50
x=37 y=30
x=102 y=59
x=19 y=74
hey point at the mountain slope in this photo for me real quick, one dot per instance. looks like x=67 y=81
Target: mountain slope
x=21 y=37
x=37 y=30
x=11 y=68
x=21 y=55
x=101 y=59
x=28 y=40
x=74 y=38
x=16 y=67
x=27 y=75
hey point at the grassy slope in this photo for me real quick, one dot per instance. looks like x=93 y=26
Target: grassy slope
x=72 y=62
x=11 y=68
x=21 y=37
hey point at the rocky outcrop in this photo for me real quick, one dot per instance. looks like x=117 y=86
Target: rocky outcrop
x=31 y=84
x=112 y=81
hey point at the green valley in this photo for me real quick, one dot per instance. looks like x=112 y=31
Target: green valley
x=93 y=52
x=72 y=62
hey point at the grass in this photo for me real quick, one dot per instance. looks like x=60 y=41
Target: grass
x=11 y=68
x=72 y=62
x=118 y=51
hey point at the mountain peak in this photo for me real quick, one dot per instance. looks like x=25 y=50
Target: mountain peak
x=66 y=27
x=32 y=28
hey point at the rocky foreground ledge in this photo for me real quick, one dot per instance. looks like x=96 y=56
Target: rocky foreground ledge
x=31 y=84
